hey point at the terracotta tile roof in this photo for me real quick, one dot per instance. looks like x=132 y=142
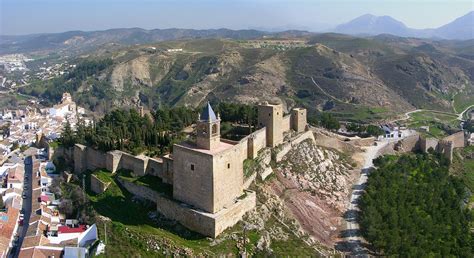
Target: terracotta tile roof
x=32 y=229
x=40 y=252
x=46 y=253
x=8 y=221
x=26 y=253
x=31 y=241
x=15 y=174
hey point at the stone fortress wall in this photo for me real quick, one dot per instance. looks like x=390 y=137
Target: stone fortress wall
x=97 y=186
x=446 y=145
x=415 y=142
x=227 y=205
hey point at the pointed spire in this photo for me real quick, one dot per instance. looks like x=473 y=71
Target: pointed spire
x=208 y=114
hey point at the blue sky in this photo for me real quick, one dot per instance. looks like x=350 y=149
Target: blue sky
x=39 y=16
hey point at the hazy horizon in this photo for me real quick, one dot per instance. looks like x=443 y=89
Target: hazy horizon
x=20 y=17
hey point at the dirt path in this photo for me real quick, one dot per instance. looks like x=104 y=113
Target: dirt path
x=461 y=115
x=354 y=243
x=353 y=240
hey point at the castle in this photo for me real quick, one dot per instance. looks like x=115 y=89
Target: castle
x=207 y=174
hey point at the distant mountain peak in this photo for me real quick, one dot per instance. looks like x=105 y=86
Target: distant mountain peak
x=370 y=24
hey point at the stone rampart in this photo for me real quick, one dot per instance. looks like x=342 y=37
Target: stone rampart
x=409 y=143
x=139 y=190
x=208 y=224
x=286 y=123
x=113 y=160
x=256 y=141
x=167 y=170
x=88 y=158
x=249 y=180
x=154 y=167
x=458 y=139
x=137 y=164
x=446 y=148
x=428 y=143
x=95 y=159
x=283 y=149
x=97 y=186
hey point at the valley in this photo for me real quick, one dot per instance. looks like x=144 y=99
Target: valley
x=356 y=79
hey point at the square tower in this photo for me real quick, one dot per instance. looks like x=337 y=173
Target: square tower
x=208 y=134
x=271 y=116
x=298 y=119
x=207 y=174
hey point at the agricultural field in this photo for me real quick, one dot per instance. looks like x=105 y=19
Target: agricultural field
x=439 y=124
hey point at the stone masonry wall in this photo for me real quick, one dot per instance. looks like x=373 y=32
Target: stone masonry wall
x=154 y=167
x=286 y=147
x=409 y=143
x=139 y=190
x=427 y=143
x=137 y=164
x=458 y=139
x=192 y=182
x=95 y=159
x=228 y=176
x=113 y=160
x=256 y=141
x=207 y=224
x=89 y=158
x=97 y=186
x=286 y=123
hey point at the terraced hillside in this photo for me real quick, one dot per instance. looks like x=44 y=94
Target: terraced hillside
x=355 y=78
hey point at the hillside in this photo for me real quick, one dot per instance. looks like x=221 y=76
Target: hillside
x=352 y=77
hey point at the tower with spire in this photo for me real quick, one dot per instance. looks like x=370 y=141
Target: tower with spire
x=208 y=129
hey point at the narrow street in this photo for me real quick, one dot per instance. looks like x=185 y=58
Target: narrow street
x=26 y=206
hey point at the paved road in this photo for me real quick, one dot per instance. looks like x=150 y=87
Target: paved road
x=26 y=206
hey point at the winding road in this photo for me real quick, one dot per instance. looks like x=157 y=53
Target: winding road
x=406 y=115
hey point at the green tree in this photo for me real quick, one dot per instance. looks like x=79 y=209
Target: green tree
x=413 y=207
x=329 y=122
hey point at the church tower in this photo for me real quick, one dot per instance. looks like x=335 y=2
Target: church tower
x=208 y=129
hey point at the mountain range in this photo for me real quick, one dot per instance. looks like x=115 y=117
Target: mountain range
x=462 y=28
x=80 y=41
x=354 y=78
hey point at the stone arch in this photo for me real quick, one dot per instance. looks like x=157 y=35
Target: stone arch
x=214 y=129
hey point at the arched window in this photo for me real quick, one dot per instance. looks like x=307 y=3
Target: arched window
x=214 y=129
x=203 y=129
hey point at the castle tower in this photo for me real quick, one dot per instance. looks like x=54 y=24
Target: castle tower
x=298 y=119
x=271 y=116
x=66 y=98
x=208 y=129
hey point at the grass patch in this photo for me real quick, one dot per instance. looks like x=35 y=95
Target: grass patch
x=360 y=114
x=463 y=100
x=249 y=167
x=103 y=175
x=440 y=124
